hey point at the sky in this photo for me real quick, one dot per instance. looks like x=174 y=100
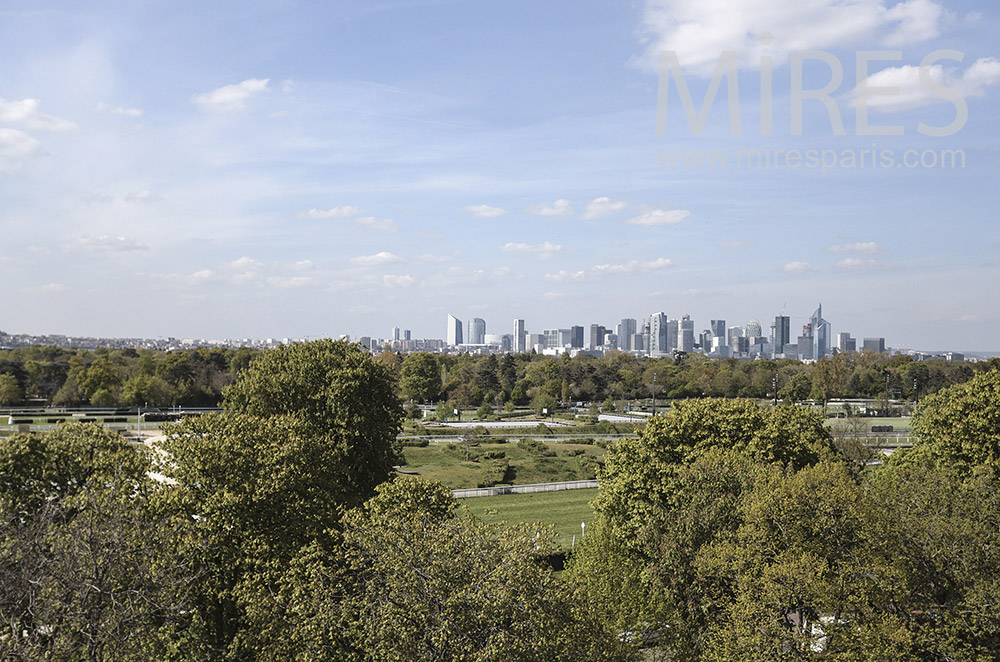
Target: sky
x=311 y=169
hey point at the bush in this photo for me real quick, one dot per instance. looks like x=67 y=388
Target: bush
x=495 y=472
x=493 y=455
x=416 y=443
x=572 y=452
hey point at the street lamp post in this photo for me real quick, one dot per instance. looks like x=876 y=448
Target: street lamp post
x=654 y=394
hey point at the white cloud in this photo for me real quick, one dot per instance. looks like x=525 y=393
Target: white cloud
x=346 y=211
x=859 y=247
x=855 y=263
x=543 y=251
x=659 y=263
x=302 y=265
x=119 y=110
x=485 y=211
x=737 y=243
x=912 y=93
x=107 y=243
x=380 y=224
x=245 y=263
x=563 y=275
x=53 y=287
x=289 y=281
x=560 y=207
x=603 y=206
x=15 y=147
x=383 y=257
x=231 y=98
x=632 y=266
x=406 y=280
x=144 y=195
x=796 y=267
x=699 y=30
x=553 y=295
x=660 y=217
x=25 y=113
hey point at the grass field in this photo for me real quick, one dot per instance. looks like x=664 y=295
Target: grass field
x=449 y=465
x=565 y=510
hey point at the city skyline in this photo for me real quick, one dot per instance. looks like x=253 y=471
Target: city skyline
x=304 y=170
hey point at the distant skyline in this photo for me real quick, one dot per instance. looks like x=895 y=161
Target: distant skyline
x=306 y=169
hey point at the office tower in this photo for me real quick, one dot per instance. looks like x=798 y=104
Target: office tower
x=395 y=333
x=597 y=336
x=685 y=334
x=752 y=329
x=454 y=335
x=476 y=331
x=639 y=342
x=845 y=343
x=874 y=345
x=534 y=341
x=658 y=345
x=717 y=328
x=625 y=334
x=551 y=338
x=820 y=334
x=520 y=337
x=735 y=334
x=782 y=333
x=672 y=327
x=407 y=335
x=705 y=340
x=805 y=344
x=577 y=336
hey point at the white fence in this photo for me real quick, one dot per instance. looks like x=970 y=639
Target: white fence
x=523 y=489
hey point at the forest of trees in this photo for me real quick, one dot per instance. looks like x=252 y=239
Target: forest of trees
x=277 y=529
x=198 y=377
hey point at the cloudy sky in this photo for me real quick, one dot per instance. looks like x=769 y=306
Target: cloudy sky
x=284 y=168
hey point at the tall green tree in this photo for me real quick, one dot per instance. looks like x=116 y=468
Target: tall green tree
x=420 y=377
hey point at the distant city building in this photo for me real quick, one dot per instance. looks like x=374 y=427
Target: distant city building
x=476 y=331
x=752 y=329
x=658 y=345
x=781 y=334
x=626 y=330
x=874 y=345
x=395 y=333
x=820 y=334
x=639 y=342
x=576 y=337
x=685 y=334
x=597 y=336
x=735 y=336
x=520 y=337
x=805 y=345
x=845 y=343
x=705 y=340
x=454 y=334
x=407 y=335
x=717 y=328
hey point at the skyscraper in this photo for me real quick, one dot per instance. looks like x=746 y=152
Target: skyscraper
x=685 y=334
x=625 y=334
x=477 y=331
x=718 y=328
x=658 y=345
x=820 y=334
x=597 y=336
x=520 y=337
x=577 y=336
x=782 y=333
x=454 y=334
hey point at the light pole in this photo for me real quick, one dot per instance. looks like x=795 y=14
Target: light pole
x=774 y=383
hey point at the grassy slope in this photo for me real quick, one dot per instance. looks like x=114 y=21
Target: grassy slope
x=566 y=510
x=438 y=462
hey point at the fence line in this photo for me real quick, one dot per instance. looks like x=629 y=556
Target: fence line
x=523 y=489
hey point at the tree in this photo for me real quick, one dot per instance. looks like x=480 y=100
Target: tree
x=339 y=392
x=419 y=583
x=420 y=377
x=88 y=569
x=10 y=390
x=962 y=423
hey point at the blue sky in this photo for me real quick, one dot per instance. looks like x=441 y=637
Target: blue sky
x=261 y=169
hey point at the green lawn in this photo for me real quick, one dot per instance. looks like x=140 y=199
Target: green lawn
x=898 y=424
x=449 y=465
x=566 y=510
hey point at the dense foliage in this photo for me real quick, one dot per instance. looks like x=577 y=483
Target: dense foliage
x=712 y=545
x=198 y=377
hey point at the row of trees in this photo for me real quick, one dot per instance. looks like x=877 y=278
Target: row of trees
x=729 y=532
x=105 y=377
x=198 y=377
x=526 y=378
